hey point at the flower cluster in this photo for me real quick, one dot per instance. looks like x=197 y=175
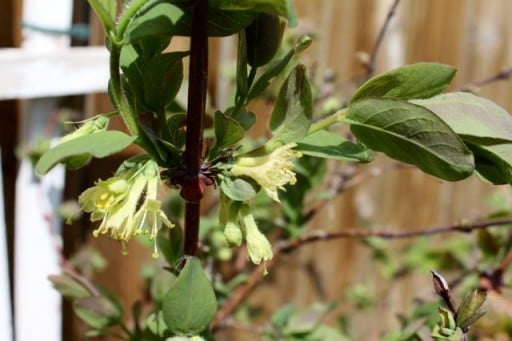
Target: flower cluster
x=127 y=203
x=258 y=246
x=271 y=171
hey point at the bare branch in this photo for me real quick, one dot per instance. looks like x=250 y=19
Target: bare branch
x=370 y=66
x=345 y=182
x=287 y=246
x=500 y=76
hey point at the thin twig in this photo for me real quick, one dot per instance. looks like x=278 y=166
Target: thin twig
x=288 y=246
x=232 y=324
x=344 y=183
x=283 y=247
x=506 y=262
x=370 y=66
x=500 y=76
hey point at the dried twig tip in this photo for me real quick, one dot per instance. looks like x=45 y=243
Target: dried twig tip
x=440 y=285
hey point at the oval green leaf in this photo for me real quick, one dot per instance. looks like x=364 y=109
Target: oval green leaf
x=274 y=69
x=493 y=163
x=190 y=303
x=153 y=20
x=422 y=80
x=328 y=145
x=162 y=77
x=97 y=311
x=474 y=118
x=99 y=145
x=221 y=22
x=291 y=116
x=238 y=189
x=411 y=134
x=274 y=7
x=228 y=131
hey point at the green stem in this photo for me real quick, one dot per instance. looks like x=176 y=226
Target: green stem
x=126 y=111
x=106 y=20
x=252 y=75
x=337 y=117
x=164 y=127
x=126 y=16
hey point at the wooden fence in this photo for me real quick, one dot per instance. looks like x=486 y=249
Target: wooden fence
x=473 y=35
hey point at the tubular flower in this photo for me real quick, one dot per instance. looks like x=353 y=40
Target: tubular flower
x=116 y=201
x=271 y=171
x=258 y=246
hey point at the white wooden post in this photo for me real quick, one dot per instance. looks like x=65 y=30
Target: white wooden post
x=5 y=307
x=37 y=304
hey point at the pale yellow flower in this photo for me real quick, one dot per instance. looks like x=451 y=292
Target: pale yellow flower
x=116 y=201
x=272 y=171
x=102 y=197
x=258 y=246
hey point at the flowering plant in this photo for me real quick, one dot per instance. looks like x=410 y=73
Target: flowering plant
x=401 y=113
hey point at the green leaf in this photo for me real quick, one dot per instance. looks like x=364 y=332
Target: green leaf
x=242 y=84
x=221 y=22
x=132 y=65
x=275 y=7
x=228 y=132
x=412 y=134
x=162 y=76
x=104 y=13
x=177 y=126
x=281 y=317
x=474 y=118
x=154 y=20
x=97 y=311
x=171 y=247
x=190 y=304
x=328 y=145
x=238 y=189
x=151 y=46
x=488 y=243
x=245 y=118
x=68 y=286
x=292 y=13
x=493 y=163
x=307 y=319
x=160 y=284
x=471 y=309
x=422 y=80
x=291 y=117
x=275 y=69
x=99 y=145
x=111 y=8
x=264 y=36
x=156 y=325
x=323 y=332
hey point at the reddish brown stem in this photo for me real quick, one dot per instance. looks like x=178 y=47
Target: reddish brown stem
x=192 y=186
